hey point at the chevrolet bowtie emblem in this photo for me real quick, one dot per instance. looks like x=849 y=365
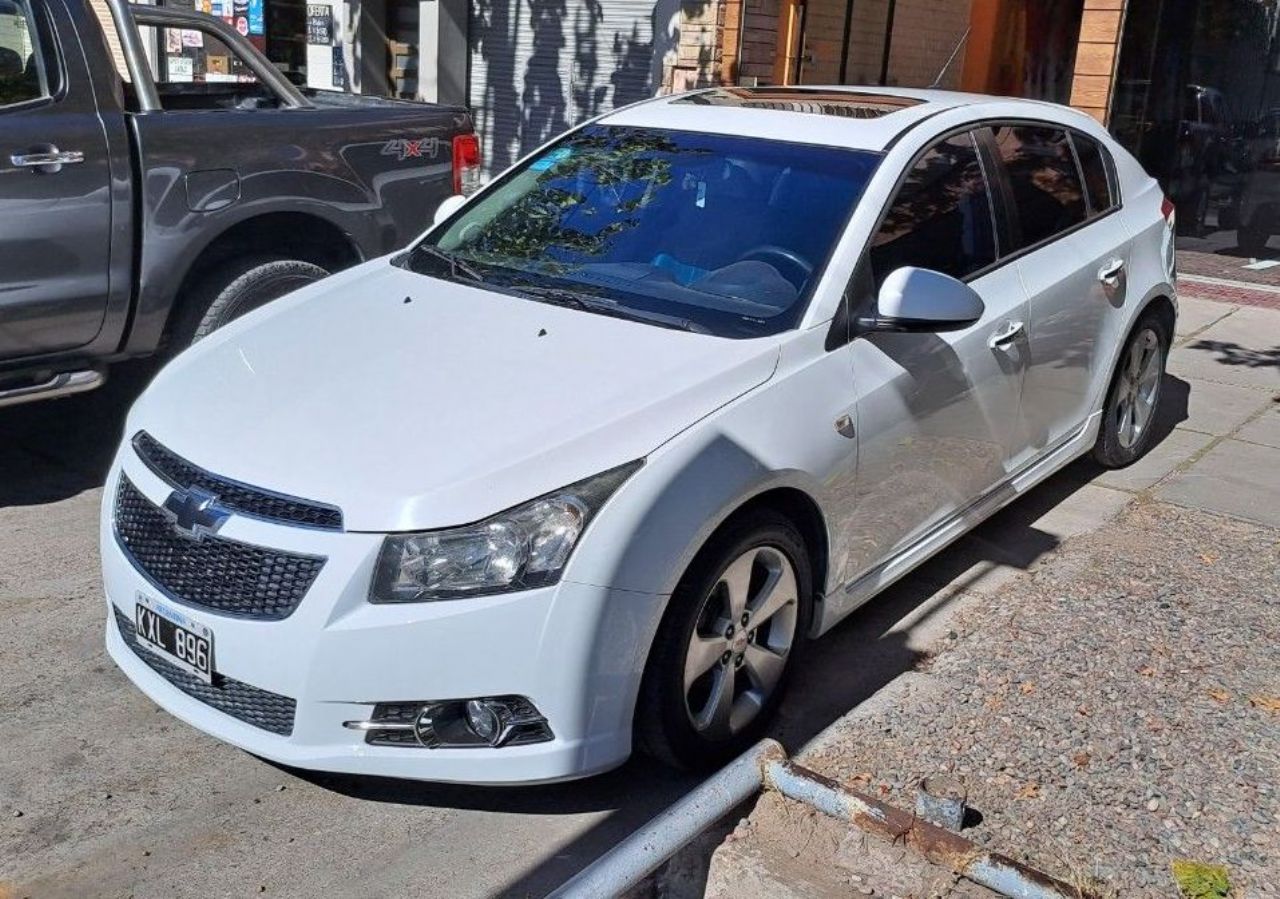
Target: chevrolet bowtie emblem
x=195 y=512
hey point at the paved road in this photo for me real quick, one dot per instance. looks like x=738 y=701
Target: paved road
x=117 y=798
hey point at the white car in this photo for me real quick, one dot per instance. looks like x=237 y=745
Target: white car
x=586 y=467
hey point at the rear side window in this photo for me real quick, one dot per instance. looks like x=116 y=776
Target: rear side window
x=22 y=75
x=1097 y=180
x=941 y=217
x=1047 y=193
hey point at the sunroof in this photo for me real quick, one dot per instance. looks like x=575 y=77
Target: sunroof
x=848 y=104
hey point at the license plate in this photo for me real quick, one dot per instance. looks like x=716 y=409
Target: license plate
x=174 y=637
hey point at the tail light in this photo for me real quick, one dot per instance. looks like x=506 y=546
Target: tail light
x=1166 y=205
x=466 y=164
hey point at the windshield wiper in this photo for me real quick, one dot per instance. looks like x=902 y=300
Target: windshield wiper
x=586 y=302
x=456 y=266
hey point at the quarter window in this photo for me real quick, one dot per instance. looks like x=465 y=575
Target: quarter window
x=22 y=75
x=1097 y=183
x=1046 y=187
x=941 y=218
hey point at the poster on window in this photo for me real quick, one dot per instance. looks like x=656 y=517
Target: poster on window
x=339 y=69
x=225 y=10
x=192 y=38
x=256 y=25
x=319 y=24
x=173 y=41
x=181 y=68
x=241 y=16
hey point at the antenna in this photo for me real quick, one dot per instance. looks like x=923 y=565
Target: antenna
x=952 y=58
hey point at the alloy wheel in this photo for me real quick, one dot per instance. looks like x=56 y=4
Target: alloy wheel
x=1139 y=389
x=740 y=643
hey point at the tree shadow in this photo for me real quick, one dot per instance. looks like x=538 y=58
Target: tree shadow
x=1237 y=355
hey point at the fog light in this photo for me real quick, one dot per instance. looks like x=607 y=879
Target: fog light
x=485 y=720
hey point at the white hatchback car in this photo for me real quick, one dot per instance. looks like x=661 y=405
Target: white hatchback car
x=586 y=467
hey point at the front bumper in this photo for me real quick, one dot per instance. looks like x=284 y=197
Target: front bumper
x=576 y=651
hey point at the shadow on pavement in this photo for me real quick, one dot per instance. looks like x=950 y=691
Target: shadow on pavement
x=53 y=450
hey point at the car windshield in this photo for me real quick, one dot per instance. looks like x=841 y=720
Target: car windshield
x=713 y=233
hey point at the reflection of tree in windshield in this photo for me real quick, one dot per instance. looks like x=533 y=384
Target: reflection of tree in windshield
x=583 y=201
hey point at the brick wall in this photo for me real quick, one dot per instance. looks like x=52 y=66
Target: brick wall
x=699 y=49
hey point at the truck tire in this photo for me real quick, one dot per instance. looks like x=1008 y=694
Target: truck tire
x=236 y=287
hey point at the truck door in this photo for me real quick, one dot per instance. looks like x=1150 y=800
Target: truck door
x=55 y=206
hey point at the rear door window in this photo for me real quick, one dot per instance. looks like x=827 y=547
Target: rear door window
x=941 y=217
x=1047 y=194
x=1096 y=170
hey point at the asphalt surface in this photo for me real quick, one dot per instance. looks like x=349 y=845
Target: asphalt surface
x=103 y=794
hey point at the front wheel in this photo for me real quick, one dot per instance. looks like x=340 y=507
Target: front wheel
x=727 y=644
x=1134 y=397
x=236 y=287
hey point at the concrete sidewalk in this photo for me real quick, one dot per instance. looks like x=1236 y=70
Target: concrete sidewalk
x=1190 y=531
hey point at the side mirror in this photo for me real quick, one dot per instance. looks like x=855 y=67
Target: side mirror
x=920 y=299
x=448 y=207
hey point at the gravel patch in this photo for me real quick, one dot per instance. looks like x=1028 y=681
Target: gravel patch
x=1114 y=710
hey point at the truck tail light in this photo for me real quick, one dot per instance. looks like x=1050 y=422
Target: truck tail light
x=466 y=164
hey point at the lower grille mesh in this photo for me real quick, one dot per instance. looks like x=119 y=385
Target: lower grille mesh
x=261 y=708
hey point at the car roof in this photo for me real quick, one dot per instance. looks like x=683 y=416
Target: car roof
x=864 y=118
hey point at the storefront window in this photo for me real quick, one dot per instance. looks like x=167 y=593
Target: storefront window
x=1197 y=100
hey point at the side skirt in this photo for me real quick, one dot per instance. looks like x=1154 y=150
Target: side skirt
x=844 y=600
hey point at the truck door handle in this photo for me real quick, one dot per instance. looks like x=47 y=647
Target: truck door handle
x=1109 y=274
x=1004 y=338
x=41 y=158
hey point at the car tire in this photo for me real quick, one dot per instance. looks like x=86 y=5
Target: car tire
x=1133 y=401
x=237 y=287
x=678 y=719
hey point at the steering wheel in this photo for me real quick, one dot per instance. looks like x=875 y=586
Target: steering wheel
x=795 y=268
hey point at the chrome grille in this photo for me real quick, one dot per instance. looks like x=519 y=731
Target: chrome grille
x=232 y=495
x=252 y=705
x=214 y=573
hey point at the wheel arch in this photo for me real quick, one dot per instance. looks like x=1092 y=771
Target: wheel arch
x=295 y=235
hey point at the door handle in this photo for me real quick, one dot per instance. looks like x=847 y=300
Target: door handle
x=1005 y=337
x=1109 y=274
x=41 y=158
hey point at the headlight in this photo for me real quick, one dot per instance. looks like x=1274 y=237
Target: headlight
x=519 y=549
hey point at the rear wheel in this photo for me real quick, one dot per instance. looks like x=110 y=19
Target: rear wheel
x=1134 y=397
x=727 y=644
x=239 y=286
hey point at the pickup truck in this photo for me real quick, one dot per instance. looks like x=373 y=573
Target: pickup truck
x=138 y=213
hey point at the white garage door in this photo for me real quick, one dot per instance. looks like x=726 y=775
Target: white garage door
x=539 y=67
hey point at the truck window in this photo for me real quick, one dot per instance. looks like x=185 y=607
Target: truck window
x=22 y=71
x=194 y=70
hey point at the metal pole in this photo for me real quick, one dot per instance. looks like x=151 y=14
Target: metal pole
x=632 y=860
x=888 y=42
x=844 y=45
x=990 y=869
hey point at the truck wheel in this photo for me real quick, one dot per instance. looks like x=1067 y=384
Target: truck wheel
x=728 y=643
x=237 y=287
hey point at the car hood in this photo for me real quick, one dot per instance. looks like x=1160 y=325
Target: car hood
x=414 y=403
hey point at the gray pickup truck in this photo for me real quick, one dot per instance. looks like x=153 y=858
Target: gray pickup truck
x=138 y=213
